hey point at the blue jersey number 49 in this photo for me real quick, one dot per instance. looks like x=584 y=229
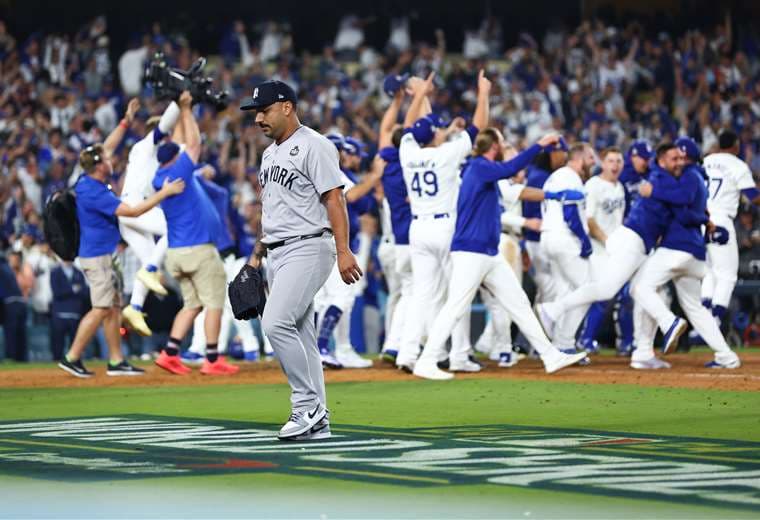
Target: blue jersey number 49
x=426 y=183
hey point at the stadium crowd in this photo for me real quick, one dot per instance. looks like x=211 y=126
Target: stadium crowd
x=597 y=83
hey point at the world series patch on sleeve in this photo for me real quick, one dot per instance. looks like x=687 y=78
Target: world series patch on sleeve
x=246 y=292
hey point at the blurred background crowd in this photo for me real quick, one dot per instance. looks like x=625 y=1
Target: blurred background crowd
x=598 y=81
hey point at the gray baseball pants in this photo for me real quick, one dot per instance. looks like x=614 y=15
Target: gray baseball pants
x=295 y=273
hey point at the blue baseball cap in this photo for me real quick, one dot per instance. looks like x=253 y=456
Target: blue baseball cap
x=267 y=93
x=354 y=147
x=393 y=83
x=424 y=128
x=337 y=139
x=641 y=148
x=690 y=147
x=559 y=146
x=167 y=151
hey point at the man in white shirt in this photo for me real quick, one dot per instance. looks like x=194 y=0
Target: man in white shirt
x=564 y=236
x=729 y=179
x=431 y=156
x=605 y=209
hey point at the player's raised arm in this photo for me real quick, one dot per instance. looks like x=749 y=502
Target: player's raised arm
x=115 y=137
x=420 y=92
x=192 y=132
x=482 y=109
x=390 y=118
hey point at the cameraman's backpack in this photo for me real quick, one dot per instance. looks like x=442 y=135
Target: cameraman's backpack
x=61 y=224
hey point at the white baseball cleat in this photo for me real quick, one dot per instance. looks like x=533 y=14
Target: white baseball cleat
x=558 y=361
x=350 y=359
x=329 y=361
x=508 y=359
x=301 y=422
x=429 y=370
x=465 y=366
x=730 y=361
x=653 y=363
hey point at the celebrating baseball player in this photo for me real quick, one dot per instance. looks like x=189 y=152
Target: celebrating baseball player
x=139 y=233
x=431 y=154
x=475 y=260
x=729 y=178
x=605 y=208
x=336 y=299
x=564 y=237
x=680 y=257
x=630 y=244
x=303 y=210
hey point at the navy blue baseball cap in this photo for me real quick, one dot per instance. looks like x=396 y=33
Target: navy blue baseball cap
x=393 y=83
x=641 y=148
x=690 y=147
x=167 y=151
x=267 y=93
x=424 y=128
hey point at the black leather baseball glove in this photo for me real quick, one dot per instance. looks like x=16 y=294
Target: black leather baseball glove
x=247 y=295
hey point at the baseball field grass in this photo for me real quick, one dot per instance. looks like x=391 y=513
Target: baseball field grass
x=487 y=447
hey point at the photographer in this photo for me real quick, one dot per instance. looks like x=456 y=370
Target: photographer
x=97 y=209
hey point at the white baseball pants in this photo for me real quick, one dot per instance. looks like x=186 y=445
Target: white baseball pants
x=571 y=272
x=687 y=273
x=546 y=285
x=722 y=269
x=469 y=271
x=139 y=233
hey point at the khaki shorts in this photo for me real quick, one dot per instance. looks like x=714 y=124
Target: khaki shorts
x=104 y=281
x=200 y=273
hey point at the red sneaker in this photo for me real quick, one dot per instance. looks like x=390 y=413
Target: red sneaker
x=172 y=364
x=220 y=367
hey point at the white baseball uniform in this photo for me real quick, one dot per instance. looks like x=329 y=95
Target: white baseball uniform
x=605 y=203
x=728 y=175
x=395 y=306
x=140 y=232
x=563 y=248
x=338 y=293
x=432 y=181
x=687 y=273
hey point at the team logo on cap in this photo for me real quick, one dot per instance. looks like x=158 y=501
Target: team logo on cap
x=280 y=96
x=255 y=92
x=294 y=151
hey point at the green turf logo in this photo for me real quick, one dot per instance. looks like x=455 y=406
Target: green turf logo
x=682 y=469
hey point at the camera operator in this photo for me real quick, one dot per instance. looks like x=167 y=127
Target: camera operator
x=192 y=258
x=97 y=209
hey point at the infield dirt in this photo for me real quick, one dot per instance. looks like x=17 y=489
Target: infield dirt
x=688 y=372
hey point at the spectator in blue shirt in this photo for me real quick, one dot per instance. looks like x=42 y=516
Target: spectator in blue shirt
x=192 y=259
x=97 y=209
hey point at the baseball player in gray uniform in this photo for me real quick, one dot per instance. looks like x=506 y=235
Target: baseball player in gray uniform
x=305 y=227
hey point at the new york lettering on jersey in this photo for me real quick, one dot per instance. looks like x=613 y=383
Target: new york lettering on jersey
x=278 y=174
x=293 y=177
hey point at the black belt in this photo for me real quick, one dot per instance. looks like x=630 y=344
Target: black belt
x=287 y=241
x=436 y=216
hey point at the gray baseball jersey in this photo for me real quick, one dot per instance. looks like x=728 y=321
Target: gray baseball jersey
x=294 y=174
